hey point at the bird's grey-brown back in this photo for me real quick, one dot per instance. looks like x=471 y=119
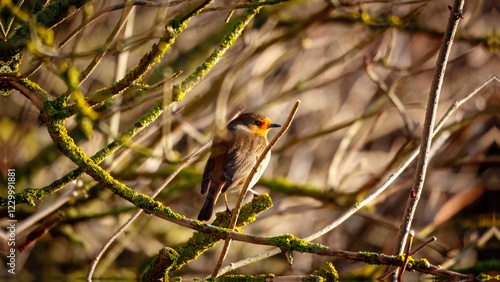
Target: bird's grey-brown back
x=233 y=155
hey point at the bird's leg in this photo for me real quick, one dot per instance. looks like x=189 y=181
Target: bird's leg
x=228 y=211
x=255 y=194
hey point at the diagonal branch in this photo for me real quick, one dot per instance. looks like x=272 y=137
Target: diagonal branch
x=111 y=38
x=172 y=31
x=428 y=131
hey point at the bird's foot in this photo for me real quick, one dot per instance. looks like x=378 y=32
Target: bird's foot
x=229 y=214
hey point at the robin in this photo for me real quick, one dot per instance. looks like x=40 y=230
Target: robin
x=233 y=155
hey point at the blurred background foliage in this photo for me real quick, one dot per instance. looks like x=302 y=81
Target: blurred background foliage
x=362 y=70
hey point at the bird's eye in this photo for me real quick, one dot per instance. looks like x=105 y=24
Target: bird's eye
x=258 y=123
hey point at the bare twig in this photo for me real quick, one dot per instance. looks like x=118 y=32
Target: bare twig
x=416 y=191
x=407 y=255
x=111 y=38
x=419 y=248
x=243 y=5
x=414 y=252
x=32 y=70
x=120 y=71
x=243 y=192
x=453 y=108
x=389 y=91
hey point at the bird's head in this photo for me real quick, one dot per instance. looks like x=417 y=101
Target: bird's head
x=256 y=123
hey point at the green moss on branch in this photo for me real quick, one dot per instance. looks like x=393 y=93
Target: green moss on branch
x=201 y=242
x=227 y=41
x=172 y=30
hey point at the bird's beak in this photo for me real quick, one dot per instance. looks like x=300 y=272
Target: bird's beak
x=274 y=125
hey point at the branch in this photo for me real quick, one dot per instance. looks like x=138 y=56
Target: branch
x=287 y=242
x=136 y=214
x=30 y=195
x=244 y=5
x=111 y=38
x=389 y=91
x=201 y=242
x=51 y=15
x=172 y=31
x=116 y=7
x=430 y=116
x=32 y=91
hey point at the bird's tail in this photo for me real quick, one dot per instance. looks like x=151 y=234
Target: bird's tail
x=208 y=207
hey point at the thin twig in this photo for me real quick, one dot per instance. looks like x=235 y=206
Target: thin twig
x=454 y=107
x=243 y=192
x=111 y=38
x=120 y=71
x=414 y=252
x=32 y=70
x=243 y=6
x=417 y=250
x=333 y=180
x=430 y=116
x=407 y=254
x=389 y=91
x=105 y=11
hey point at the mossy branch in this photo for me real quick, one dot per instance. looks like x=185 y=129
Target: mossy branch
x=289 y=243
x=160 y=265
x=30 y=195
x=32 y=91
x=286 y=242
x=57 y=109
x=172 y=30
x=67 y=145
x=227 y=41
x=327 y=271
x=201 y=242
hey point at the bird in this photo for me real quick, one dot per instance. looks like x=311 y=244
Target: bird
x=233 y=154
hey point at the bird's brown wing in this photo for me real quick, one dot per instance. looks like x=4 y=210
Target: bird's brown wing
x=241 y=159
x=216 y=162
x=207 y=174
